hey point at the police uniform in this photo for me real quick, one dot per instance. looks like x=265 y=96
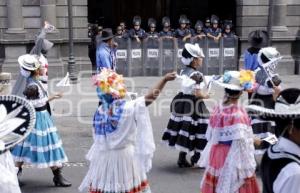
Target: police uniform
x=181 y=33
x=214 y=31
x=165 y=34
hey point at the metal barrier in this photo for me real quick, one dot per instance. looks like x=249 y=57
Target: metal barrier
x=229 y=54
x=152 y=57
x=213 y=56
x=203 y=44
x=169 y=55
x=123 y=56
x=136 y=58
x=155 y=57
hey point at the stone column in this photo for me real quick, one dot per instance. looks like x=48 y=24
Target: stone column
x=15 y=22
x=279 y=17
x=48 y=11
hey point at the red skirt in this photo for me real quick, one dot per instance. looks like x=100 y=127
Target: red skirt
x=217 y=159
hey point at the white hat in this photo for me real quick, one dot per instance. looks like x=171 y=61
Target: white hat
x=269 y=53
x=230 y=80
x=194 y=50
x=29 y=62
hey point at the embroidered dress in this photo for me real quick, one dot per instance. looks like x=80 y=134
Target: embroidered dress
x=122 y=150
x=189 y=118
x=43 y=147
x=229 y=155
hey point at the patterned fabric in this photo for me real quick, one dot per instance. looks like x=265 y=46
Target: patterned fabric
x=43 y=147
x=230 y=166
x=106 y=119
x=142 y=188
x=187 y=125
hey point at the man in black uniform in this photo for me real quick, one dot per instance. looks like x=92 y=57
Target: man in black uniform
x=199 y=34
x=166 y=32
x=182 y=32
x=207 y=25
x=137 y=33
x=152 y=29
x=215 y=32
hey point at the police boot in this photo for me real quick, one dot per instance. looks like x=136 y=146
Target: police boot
x=59 y=180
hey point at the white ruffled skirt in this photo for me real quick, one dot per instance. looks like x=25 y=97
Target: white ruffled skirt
x=114 y=171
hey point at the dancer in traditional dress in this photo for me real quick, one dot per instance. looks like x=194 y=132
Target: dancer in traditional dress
x=189 y=116
x=280 y=167
x=229 y=155
x=17 y=118
x=123 y=139
x=43 y=147
x=268 y=86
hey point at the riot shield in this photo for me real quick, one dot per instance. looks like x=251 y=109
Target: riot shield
x=213 y=56
x=169 y=55
x=179 y=48
x=122 y=56
x=152 y=57
x=203 y=44
x=229 y=54
x=136 y=58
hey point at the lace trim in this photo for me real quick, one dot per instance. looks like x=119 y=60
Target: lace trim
x=233 y=132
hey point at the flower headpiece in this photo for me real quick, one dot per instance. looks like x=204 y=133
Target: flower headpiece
x=238 y=80
x=247 y=79
x=110 y=83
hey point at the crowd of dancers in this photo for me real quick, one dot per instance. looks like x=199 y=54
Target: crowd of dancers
x=223 y=141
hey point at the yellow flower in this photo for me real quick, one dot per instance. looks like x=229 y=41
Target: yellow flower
x=246 y=76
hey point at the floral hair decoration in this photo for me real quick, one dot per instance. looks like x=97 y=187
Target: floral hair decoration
x=109 y=82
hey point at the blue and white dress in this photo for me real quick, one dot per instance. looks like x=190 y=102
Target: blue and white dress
x=43 y=147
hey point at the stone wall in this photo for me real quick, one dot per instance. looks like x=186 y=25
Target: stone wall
x=253 y=14
x=34 y=12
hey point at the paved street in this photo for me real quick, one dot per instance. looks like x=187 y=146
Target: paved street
x=73 y=117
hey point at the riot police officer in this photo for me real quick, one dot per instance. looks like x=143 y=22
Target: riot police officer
x=166 y=32
x=206 y=26
x=182 y=32
x=215 y=32
x=199 y=33
x=137 y=33
x=152 y=29
x=227 y=31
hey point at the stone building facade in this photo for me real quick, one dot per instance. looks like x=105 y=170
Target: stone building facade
x=20 y=20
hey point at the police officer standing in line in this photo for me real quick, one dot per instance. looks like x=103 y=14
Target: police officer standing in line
x=137 y=33
x=215 y=32
x=182 y=32
x=199 y=34
x=119 y=32
x=188 y=26
x=152 y=29
x=228 y=33
x=166 y=32
x=207 y=26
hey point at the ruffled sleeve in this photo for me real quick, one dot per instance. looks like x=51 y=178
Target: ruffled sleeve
x=145 y=145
